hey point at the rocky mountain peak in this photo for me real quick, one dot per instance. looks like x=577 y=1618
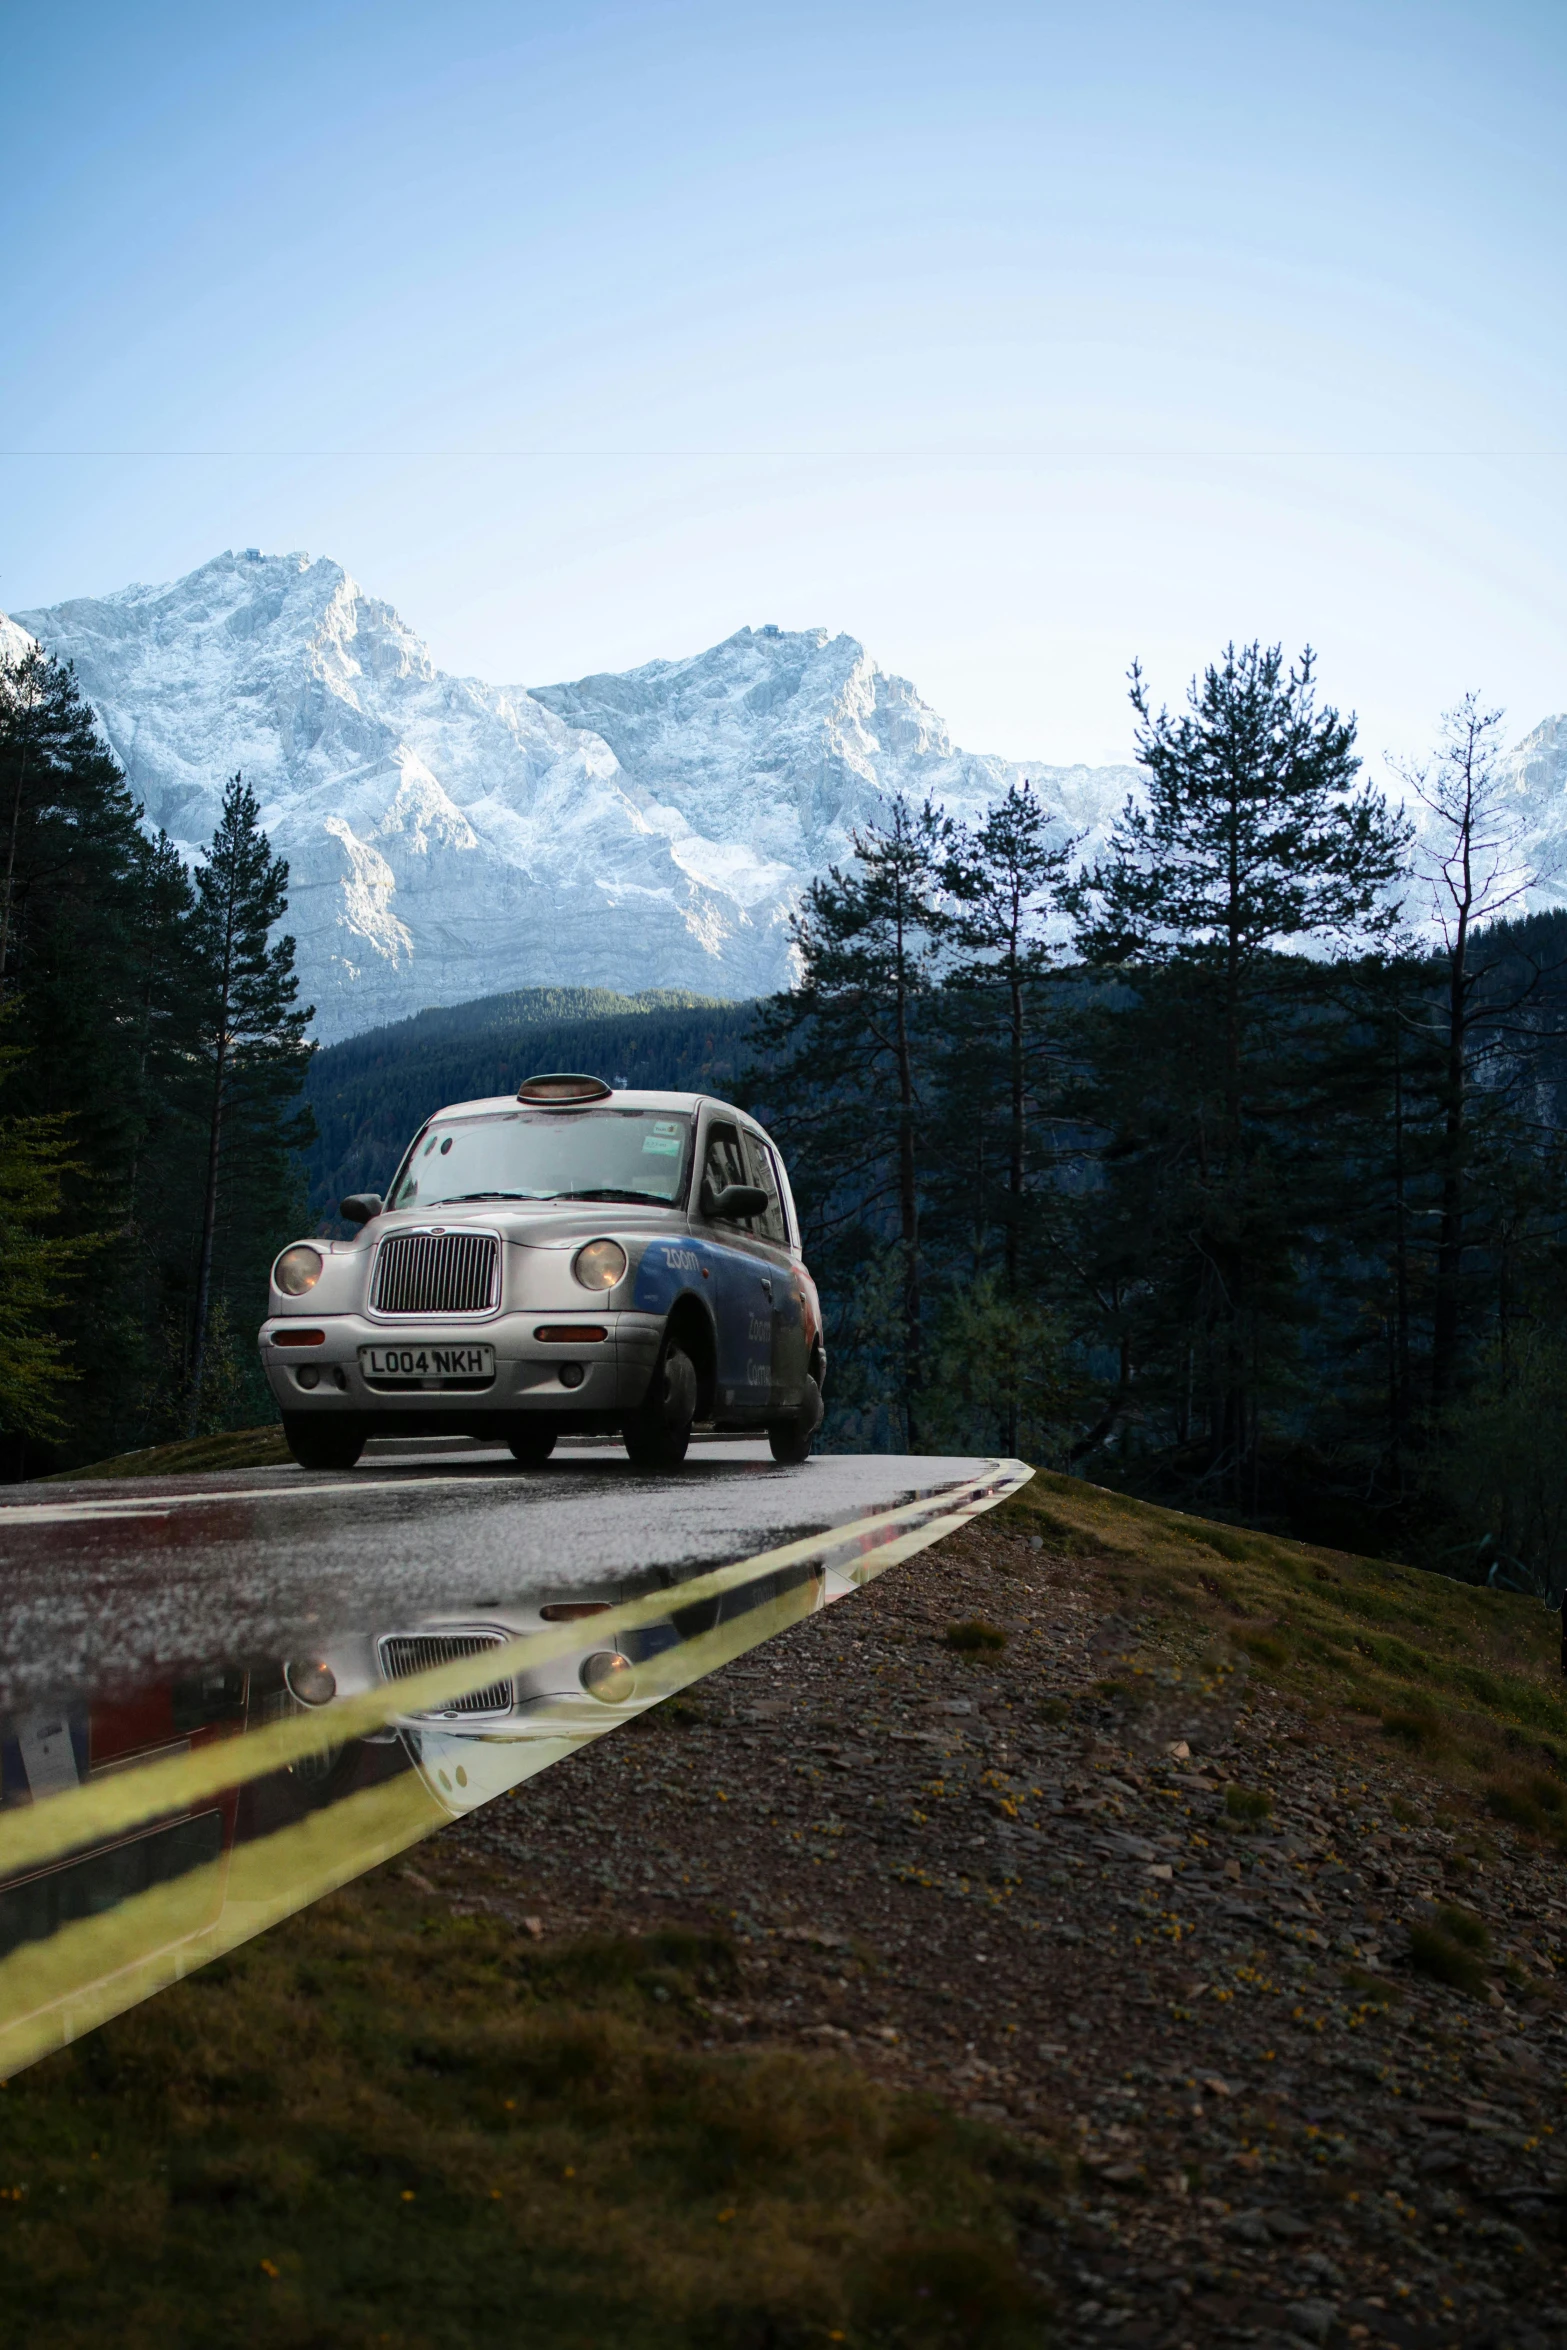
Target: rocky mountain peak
x=449 y=839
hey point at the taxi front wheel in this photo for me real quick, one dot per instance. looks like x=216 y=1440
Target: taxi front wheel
x=334 y=1443
x=657 y=1433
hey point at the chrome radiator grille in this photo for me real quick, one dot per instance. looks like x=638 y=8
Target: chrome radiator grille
x=405 y=1653
x=436 y=1273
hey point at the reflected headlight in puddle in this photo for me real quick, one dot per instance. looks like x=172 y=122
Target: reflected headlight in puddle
x=608 y=1675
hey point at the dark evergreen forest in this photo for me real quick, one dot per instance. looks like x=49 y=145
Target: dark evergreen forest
x=1229 y=1170
x=1204 y=1172
x=152 y=1054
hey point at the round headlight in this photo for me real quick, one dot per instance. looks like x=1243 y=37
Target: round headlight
x=312 y=1684
x=599 y=1265
x=608 y=1676
x=297 y=1270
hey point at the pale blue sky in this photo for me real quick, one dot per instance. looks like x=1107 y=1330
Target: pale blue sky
x=1014 y=340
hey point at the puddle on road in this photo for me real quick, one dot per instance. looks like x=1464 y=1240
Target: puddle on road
x=145 y=1833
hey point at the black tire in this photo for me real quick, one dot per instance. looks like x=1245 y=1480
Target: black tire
x=325 y=1443
x=791 y=1439
x=531 y=1445
x=657 y=1433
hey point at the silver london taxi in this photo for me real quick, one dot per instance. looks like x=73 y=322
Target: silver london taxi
x=568 y=1260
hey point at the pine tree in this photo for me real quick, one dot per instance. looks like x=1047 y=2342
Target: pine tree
x=1005 y=880
x=1472 y=863
x=74 y=865
x=1253 y=844
x=251 y=1055
x=849 y=1080
x=1252 y=839
x=27 y=697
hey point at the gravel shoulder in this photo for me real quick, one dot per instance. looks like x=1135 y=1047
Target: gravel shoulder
x=1153 y=1884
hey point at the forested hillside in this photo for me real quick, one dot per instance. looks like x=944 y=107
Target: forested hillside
x=1252 y=1198
x=372 y=1093
x=152 y=1052
x=1199 y=1170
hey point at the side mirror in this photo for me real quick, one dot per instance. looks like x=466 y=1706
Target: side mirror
x=735 y=1202
x=359 y=1207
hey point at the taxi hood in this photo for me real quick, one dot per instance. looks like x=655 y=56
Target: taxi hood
x=533 y=1223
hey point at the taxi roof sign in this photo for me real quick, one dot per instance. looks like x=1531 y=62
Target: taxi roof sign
x=563 y=1089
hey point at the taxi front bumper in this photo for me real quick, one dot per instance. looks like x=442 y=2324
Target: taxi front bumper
x=537 y=1361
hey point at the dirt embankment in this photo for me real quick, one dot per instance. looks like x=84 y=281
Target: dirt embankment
x=1226 y=1868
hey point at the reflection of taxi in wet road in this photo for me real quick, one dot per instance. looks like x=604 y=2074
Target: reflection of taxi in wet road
x=473 y=1745
x=571 y=1260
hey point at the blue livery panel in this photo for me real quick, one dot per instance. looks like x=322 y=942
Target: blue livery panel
x=729 y=1282
x=670 y=1266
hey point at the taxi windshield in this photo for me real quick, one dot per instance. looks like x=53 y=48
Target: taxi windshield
x=608 y=1154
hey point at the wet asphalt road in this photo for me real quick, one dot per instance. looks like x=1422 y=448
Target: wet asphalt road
x=109 y=1586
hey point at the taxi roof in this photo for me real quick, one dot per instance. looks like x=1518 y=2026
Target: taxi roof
x=496 y=1104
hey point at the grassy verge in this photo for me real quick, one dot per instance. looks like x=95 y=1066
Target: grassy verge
x=1470 y=1680
x=236 y=1448
x=386 y=2126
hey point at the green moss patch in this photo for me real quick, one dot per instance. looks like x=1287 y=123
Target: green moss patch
x=1530 y=1799
x=388 y=2127
x=975 y=1637
x=1467 y=1678
x=1446 y=1958
x=1249 y=1805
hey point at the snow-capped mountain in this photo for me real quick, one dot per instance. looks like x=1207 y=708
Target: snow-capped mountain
x=1536 y=772
x=450 y=839
x=772 y=747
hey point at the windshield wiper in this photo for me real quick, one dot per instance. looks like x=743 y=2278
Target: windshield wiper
x=608 y=1191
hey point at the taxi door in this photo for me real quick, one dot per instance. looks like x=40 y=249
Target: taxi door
x=770 y=1237
x=743 y=1278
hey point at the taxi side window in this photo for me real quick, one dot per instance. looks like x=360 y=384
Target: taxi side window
x=724 y=1163
x=770 y=1224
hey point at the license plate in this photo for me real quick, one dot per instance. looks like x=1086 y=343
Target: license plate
x=427 y=1362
